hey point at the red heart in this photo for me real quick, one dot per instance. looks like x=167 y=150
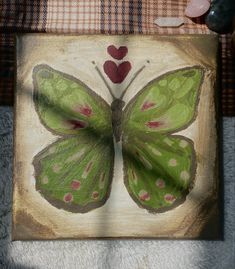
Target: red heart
x=118 y=54
x=117 y=73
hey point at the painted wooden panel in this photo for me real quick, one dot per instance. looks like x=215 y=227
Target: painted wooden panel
x=116 y=136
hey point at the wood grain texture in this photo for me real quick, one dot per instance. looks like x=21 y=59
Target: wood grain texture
x=120 y=217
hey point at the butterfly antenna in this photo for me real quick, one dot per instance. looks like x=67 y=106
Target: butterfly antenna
x=133 y=78
x=102 y=77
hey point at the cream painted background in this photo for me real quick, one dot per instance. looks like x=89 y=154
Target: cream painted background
x=120 y=216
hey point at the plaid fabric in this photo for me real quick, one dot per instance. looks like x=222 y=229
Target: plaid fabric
x=6 y=69
x=100 y=16
x=228 y=76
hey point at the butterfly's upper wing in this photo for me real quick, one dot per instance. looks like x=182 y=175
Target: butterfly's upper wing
x=159 y=168
x=165 y=105
x=75 y=172
x=66 y=106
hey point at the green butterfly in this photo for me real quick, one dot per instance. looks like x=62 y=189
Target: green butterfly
x=75 y=172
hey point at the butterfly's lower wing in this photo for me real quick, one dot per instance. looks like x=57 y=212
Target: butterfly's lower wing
x=75 y=173
x=159 y=171
x=162 y=164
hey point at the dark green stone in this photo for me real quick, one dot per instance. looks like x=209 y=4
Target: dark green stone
x=220 y=16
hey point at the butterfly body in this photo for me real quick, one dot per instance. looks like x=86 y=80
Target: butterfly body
x=117 y=116
x=75 y=173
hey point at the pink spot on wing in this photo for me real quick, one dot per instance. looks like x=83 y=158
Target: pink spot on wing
x=68 y=197
x=147 y=105
x=144 y=195
x=160 y=183
x=75 y=185
x=169 y=198
x=84 y=110
x=95 y=195
x=153 y=124
x=76 y=124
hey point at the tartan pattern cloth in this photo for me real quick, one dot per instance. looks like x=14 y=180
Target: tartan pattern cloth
x=100 y=17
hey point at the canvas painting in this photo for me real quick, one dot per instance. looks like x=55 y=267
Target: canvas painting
x=115 y=136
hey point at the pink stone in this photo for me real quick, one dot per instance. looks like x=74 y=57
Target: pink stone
x=197 y=8
x=75 y=124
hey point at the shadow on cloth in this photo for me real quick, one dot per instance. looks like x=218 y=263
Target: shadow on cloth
x=6 y=160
